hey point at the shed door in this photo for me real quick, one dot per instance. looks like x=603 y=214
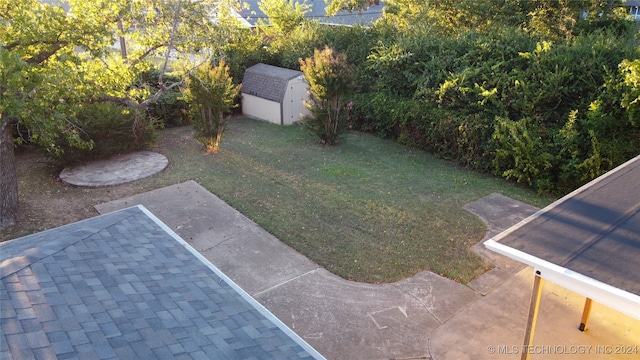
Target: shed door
x=294 y=102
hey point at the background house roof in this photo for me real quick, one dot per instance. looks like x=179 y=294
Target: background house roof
x=123 y=285
x=364 y=17
x=267 y=81
x=588 y=241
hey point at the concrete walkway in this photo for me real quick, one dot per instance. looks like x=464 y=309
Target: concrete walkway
x=341 y=319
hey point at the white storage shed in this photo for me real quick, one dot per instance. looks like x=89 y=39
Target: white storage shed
x=274 y=94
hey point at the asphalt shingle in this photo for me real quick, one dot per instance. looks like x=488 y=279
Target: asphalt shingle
x=268 y=81
x=121 y=285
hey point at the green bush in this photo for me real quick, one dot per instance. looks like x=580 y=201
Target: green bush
x=211 y=94
x=330 y=81
x=573 y=111
x=612 y=122
x=286 y=51
x=170 y=109
x=381 y=113
x=112 y=129
x=244 y=52
x=521 y=155
x=505 y=102
x=450 y=135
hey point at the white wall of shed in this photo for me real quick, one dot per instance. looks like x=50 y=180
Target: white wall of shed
x=259 y=108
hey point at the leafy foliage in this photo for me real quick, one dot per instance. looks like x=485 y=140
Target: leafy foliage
x=42 y=56
x=284 y=15
x=507 y=103
x=111 y=129
x=56 y=61
x=336 y=6
x=520 y=153
x=330 y=83
x=244 y=52
x=169 y=109
x=630 y=71
x=211 y=93
x=60 y=60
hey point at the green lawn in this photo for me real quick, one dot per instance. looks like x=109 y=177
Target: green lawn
x=368 y=209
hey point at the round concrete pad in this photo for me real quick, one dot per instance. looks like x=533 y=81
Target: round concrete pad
x=117 y=170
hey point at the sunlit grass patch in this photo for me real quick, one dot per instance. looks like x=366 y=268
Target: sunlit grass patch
x=368 y=209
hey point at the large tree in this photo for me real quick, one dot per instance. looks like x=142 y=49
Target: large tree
x=56 y=57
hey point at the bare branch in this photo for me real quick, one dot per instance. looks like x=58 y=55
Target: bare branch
x=174 y=25
x=146 y=53
x=138 y=105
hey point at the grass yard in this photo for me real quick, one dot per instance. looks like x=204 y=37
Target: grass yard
x=368 y=209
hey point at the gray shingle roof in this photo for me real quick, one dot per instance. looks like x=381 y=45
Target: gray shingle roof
x=122 y=285
x=317 y=12
x=267 y=81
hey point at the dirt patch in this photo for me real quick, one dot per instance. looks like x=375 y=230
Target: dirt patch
x=46 y=202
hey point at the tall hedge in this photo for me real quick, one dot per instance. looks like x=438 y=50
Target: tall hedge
x=543 y=113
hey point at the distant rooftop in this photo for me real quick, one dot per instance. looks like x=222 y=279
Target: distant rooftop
x=123 y=285
x=251 y=16
x=364 y=17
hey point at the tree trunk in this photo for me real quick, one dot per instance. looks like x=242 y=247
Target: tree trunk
x=8 y=179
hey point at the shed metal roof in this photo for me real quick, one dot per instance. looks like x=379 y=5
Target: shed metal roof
x=268 y=81
x=588 y=241
x=123 y=285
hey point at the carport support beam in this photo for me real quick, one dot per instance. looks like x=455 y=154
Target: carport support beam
x=536 y=294
x=585 y=314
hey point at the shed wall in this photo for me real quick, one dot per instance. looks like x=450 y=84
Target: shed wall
x=259 y=108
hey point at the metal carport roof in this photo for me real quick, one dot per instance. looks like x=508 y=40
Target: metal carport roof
x=587 y=241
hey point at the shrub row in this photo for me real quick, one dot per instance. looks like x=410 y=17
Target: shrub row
x=545 y=114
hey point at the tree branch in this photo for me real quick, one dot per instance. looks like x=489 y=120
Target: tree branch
x=120 y=101
x=174 y=25
x=146 y=53
x=42 y=55
x=137 y=105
